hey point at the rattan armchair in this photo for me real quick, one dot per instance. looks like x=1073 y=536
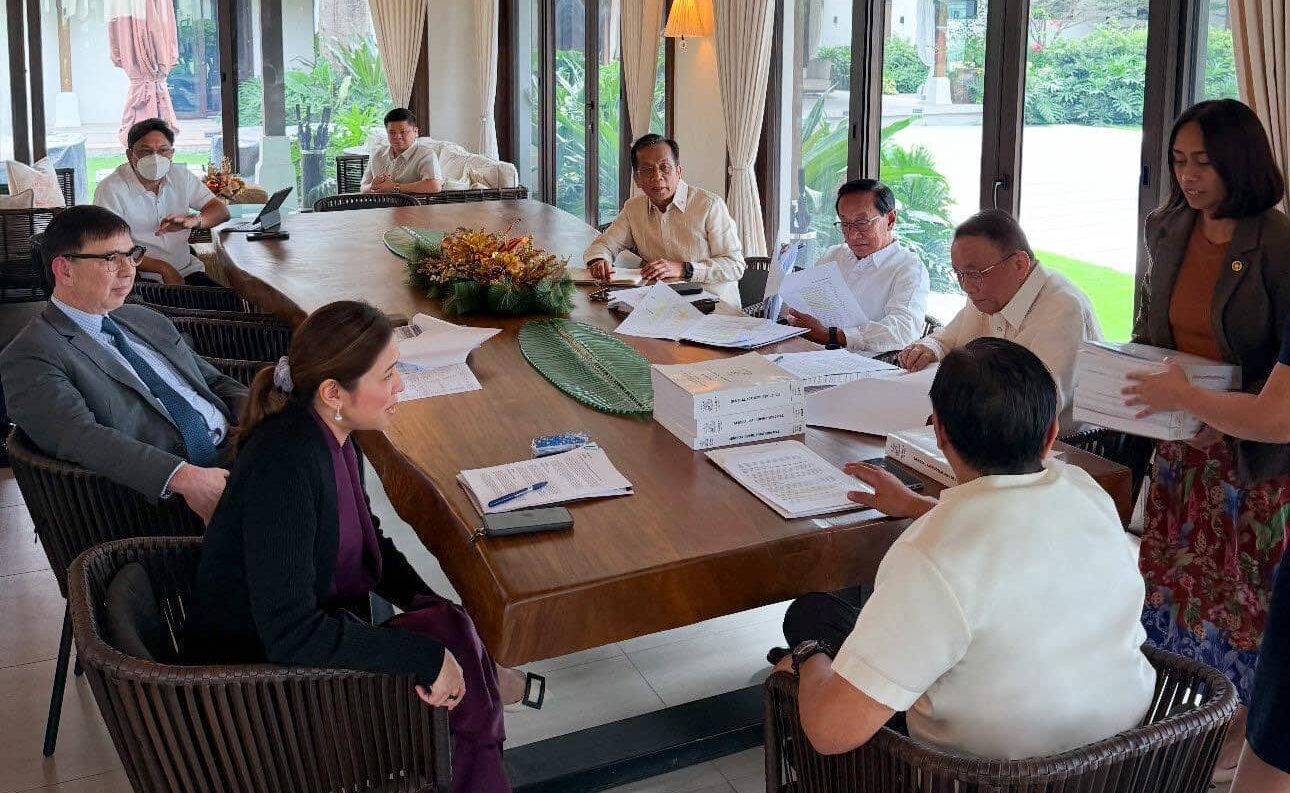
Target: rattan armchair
x=232 y=338
x=248 y=728
x=344 y=201
x=1173 y=751
x=752 y=285
x=349 y=172
x=1131 y=451
x=22 y=271
x=242 y=371
x=74 y=509
x=349 y=179
x=202 y=298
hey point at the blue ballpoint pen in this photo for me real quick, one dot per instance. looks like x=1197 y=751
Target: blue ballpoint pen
x=509 y=497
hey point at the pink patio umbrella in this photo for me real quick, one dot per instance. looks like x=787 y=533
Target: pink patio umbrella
x=144 y=40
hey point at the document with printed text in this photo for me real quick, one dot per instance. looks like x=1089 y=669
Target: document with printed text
x=570 y=476
x=792 y=480
x=821 y=292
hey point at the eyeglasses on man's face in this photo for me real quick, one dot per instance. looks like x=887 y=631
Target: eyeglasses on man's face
x=113 y=261
x=649 y=171
x=165 y=151
x=858 y=226
x=977 y=276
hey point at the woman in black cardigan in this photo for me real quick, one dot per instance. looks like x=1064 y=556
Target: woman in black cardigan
x=293 y=550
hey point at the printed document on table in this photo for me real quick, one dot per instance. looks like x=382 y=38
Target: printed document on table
x=821 y=292
x=661 y=314
x=792 y=480
x=874 y=405
x=582 y=473
x=784 y=261
x=429 y=342
x=739 y=331
x=831 y=367
x=633 y=297
x=421 y=383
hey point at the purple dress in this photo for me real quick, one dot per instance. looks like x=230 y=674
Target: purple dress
x=477 y=727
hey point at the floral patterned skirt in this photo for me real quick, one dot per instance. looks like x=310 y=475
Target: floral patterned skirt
x=1210 y=549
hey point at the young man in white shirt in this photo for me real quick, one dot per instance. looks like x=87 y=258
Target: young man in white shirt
x=1011 y=296
x=889 y=282
x=1005 y=621
x=157 y=200
x=407 y=164
x=681 y=232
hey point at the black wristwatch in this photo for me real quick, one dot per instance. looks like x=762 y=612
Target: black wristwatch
x=687 y=270
x=808 y=648
x=833 y=343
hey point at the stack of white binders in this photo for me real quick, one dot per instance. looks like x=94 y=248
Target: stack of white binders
x=1103 y=375
x=728 y=401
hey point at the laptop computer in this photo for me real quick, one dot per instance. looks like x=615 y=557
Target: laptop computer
x=270 y=216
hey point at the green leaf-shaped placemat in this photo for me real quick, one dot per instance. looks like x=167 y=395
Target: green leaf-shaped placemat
x=589 y=365
x=413 y=245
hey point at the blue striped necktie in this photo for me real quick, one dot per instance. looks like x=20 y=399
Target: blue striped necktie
x=197 y=435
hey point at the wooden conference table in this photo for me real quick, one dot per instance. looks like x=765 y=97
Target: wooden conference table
x=689 y=545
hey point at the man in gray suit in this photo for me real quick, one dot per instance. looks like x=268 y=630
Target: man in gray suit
x=112 y=387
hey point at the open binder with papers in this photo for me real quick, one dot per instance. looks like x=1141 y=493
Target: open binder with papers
x=575 y=475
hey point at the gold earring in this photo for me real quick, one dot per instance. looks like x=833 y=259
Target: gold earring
x=338 y=418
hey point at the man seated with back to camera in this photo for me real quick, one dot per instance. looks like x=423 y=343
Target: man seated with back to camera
x=888 y=280
x=1004 y=622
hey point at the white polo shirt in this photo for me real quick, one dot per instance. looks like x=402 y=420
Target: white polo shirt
x=417 y=162
x=123 y=193
x=1006 y=621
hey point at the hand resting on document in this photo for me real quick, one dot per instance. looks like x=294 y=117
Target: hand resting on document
x=889 y=496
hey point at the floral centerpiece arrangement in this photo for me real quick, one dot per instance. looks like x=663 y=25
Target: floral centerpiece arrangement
x=475 y=270
x=229 y=187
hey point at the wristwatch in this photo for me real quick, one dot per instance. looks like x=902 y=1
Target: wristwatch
x=833 y=343
x=687 y=270
x=809 y=648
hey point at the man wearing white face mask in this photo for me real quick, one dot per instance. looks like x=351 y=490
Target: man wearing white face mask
x=158 y=201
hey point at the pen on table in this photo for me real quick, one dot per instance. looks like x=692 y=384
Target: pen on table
x=509 y=497
x=777 y=359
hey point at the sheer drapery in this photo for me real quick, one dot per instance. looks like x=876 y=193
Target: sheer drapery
x=1261 y=40
x=743 y=31
x=400 y=33
x=486 y=49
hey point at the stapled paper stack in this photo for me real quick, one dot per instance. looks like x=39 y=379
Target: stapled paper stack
x=728 y=400
x=1103 y=374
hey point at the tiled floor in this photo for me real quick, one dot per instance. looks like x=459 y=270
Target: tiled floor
x=584 y=689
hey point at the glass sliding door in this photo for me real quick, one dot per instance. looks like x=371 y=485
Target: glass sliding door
x=611 y=116
x=570 y=88
x=820 y=126
x=1082 y=147
x=933 y=82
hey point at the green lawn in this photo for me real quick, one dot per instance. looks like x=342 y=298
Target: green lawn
x=95 y=164
x=1111 y=291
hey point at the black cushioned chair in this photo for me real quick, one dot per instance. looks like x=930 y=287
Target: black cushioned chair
x=72 y=510
x=1172 y=751
x=183 y=727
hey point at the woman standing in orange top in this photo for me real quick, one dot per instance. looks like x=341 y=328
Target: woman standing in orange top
x=1218 y=285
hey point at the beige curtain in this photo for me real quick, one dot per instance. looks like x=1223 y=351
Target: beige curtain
x=1261 y=39
x=486 y=47
x=400 y=33
x=743 y=30
x=642 y=26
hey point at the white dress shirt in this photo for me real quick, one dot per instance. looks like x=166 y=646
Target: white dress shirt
x=890 y=285
x=696 y=228
x=1049 y=316
x=417 y=162
x=1006 y=620
x=181 y=190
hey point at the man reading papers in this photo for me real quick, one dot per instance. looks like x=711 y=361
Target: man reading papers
x=679 y=231
x=1011 y=296
x=888 y=282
